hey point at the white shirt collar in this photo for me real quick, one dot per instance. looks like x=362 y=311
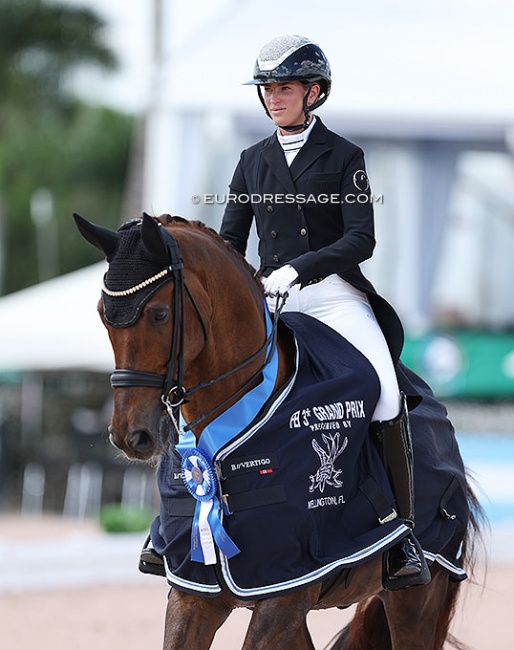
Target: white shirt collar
x=291 y=144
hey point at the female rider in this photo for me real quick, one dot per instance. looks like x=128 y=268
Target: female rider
x=314 y=218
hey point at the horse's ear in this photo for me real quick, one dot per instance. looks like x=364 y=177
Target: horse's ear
x=153 y=240
x=104 y=239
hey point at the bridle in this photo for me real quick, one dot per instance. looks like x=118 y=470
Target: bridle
x=174 y=394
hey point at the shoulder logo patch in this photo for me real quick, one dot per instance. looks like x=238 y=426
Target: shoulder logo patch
x=361 y=180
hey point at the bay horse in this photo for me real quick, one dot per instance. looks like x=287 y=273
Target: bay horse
x=198 y=342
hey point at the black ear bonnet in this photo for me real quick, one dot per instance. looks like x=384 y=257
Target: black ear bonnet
x=140 y=266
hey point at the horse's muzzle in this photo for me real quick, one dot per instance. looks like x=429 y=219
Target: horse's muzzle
x=136 y=445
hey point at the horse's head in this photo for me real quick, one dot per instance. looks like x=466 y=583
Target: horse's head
x=167 y=318
x=136 y=308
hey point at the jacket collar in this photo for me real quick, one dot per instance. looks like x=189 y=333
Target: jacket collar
x=315 y=147
x=274 y=156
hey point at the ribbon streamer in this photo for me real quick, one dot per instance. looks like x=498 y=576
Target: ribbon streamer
x=200 y=480
x=197 y=470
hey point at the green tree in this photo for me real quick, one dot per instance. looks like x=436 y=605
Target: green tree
x=40 y=44
x=48 y=139
x=82 y=160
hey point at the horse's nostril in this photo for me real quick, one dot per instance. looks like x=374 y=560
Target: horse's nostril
x=141 y=441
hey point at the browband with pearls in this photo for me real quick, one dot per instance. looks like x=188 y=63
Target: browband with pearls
x=137 y=287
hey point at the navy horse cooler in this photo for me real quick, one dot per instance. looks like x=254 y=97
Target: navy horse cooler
x=286 y=489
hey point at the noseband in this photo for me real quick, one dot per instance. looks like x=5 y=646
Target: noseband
x=172 y=383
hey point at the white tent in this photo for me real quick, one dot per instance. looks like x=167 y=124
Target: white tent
x=55 y=326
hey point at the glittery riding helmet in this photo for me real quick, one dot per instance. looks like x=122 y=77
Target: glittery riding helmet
x=293 y=58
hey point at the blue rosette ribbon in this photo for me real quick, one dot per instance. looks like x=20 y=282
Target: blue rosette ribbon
x=207 y=530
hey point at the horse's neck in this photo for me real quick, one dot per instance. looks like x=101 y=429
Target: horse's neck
x=237 y=330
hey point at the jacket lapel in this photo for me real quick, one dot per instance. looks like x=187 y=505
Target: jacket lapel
x=315 y=147
x=274 y=156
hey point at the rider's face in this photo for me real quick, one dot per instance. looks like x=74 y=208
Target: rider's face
x=284 y=101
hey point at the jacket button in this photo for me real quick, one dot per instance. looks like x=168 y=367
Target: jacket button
x=298 y=206
x=303 y=232
x=273 y=233
x=269 y=208
x=276 y=258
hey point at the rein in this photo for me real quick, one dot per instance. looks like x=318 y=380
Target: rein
x=270 y=343
x=121 y=378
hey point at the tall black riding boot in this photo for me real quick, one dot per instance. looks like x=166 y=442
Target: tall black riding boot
x=404 y=564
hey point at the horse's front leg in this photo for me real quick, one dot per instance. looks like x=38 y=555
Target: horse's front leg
x=192 y=621
x=281 y=622
x=419 y=617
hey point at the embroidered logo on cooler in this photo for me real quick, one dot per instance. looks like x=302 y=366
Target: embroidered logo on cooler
x=327 y=474
x=328 y=419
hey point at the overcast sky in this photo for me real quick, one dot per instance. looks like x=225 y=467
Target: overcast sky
x=130 y=32
x=441 y=58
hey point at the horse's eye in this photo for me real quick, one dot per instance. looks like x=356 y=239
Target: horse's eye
x=158 y=315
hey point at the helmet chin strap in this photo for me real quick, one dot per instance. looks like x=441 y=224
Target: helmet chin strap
x=298 y=127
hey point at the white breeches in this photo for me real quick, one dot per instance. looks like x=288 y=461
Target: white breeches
x=347 y=310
